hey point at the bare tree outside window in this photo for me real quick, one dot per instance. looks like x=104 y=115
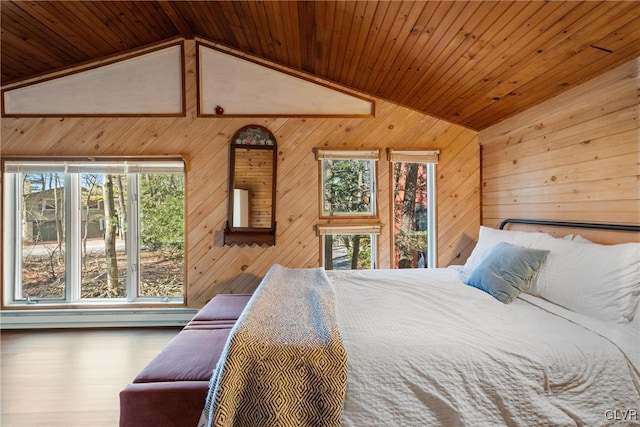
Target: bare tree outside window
x=43 y=235
x=110 y=222
x=409 y=215
x=97 y=243
x=348 y=251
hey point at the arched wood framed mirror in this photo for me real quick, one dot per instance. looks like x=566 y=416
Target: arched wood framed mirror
x=252 y=187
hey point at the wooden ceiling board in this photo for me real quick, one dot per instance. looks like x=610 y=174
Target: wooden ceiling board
x=623 y=37
x=257 y=11
x=149 y=17
x=360 y=24
x=25 y=47
x=197 y=21
x=252 y=30
x=339 y=17
x=489 y=52
x=247 y=28
x=473 y=63
x=380 y=23
x=357 y=47
x=93 y=23
x=532 y=78
x=418 y=58
x=19 y=65
x=529 y=38
x=279 y=32
x=176 y=19
x=108 y=21
x=452 y=36
x=486 y=65
x=585 y=73
x=234 y=35
x=459 y=65
x=552 y=57
x=405 y=17
x=49 y=30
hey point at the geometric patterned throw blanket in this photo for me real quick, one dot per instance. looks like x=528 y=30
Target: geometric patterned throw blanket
x=284 y=363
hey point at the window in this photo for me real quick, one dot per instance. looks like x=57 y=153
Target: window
x=349 y=247
x=348 y=183
x=100 y=231
x=413 y=175
x=348 y=200
x=49 y=204
x=94 y=204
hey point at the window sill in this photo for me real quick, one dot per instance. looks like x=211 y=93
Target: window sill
x=93 y=304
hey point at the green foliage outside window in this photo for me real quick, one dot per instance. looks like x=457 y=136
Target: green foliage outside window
x=162 y=204
x=347 y=187
x=364 y=250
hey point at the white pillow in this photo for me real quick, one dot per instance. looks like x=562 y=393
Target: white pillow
x=597 y=280
x=489 y=237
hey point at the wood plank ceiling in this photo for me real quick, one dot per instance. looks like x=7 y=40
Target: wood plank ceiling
x=472 y=63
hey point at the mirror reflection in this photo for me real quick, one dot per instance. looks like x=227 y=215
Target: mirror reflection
x=252 y=195
x=252 y=187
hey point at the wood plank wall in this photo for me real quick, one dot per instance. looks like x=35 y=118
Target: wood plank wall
x=254 y=172
x=575 y=157
x=212 y=268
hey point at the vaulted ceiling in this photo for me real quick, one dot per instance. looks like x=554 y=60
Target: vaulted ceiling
x=473 y=63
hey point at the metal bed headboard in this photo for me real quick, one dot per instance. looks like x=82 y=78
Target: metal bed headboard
x=592 y=225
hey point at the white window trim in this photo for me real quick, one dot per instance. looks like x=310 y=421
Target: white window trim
x=430 y=158
x=12 y=234
x=373 y=202
x=372 y=155
x=432 y=254
x=13 y=228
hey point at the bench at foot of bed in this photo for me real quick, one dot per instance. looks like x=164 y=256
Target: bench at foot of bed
x=170 y=391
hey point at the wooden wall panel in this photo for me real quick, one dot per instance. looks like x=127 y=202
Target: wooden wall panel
x=254 y=173
x=575 y=157
x=212 y=268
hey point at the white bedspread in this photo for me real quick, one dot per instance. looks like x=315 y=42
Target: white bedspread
x=425 y=349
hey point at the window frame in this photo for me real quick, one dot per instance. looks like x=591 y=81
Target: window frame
x=356 y=223
x=429 y=158
x=371 y=155
x=336 y=230
x=72 y=169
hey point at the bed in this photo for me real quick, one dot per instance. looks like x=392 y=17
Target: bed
x=532 y=330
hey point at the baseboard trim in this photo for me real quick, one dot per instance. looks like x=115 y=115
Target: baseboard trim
x=95 y=318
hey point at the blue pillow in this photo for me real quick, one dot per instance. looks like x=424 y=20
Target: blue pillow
x=506 y=270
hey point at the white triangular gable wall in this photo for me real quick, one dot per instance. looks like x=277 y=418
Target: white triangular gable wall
x=242 y=87
x=148 y=84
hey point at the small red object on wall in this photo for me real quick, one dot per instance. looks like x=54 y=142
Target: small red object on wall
x=219 y=110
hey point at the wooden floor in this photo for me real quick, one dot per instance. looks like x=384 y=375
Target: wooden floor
x=71 y=377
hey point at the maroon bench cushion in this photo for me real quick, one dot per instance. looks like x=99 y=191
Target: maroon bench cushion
x=190 y=356
x=223 y=307
x=170 y=391
x=171 y=404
